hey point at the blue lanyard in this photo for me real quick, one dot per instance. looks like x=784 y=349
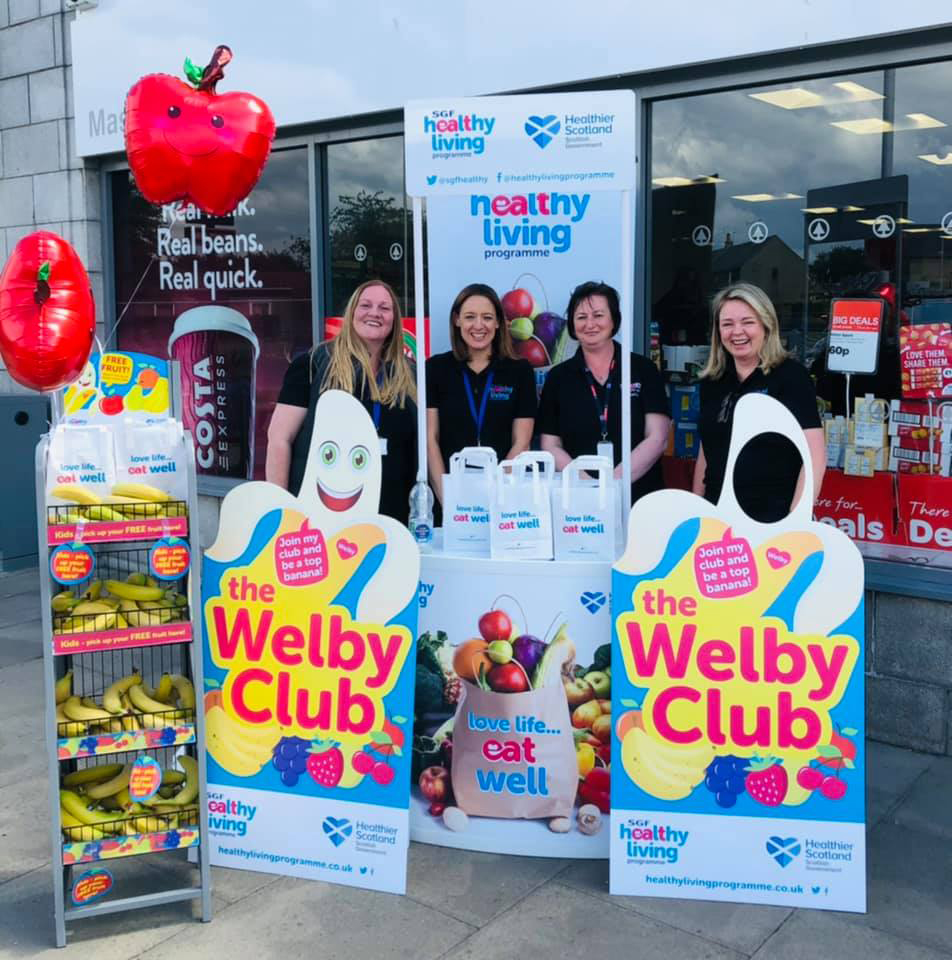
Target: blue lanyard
x=601 y=409
x=375 y=413
x=478 y=418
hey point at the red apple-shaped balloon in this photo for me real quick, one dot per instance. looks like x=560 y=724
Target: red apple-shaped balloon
x=517 y=303
x=190 y=143
x=47 y=313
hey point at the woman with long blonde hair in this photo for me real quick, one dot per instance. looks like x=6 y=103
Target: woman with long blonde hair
x=367 y=360
x=748 y=357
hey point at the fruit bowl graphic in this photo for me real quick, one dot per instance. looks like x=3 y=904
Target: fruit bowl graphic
x=538 y=335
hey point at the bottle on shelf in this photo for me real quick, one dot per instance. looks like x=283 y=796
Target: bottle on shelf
x=421 y=512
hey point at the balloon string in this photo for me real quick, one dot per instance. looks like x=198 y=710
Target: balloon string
x=132 y=297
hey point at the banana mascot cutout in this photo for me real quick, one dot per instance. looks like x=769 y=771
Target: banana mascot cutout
x=806 y=581
x=339 y=497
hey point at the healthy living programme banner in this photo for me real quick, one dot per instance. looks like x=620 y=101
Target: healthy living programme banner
x=309 y=619
x=737 y=698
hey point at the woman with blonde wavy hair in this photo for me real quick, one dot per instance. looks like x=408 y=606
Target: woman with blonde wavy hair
x=747 y=356
x=367 y=360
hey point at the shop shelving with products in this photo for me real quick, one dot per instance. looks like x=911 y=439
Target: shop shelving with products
x=142 y=657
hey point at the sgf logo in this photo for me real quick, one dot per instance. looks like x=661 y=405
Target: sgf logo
x=541 y=130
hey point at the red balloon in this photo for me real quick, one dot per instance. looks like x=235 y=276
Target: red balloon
x=47 y=313
x=192 y=144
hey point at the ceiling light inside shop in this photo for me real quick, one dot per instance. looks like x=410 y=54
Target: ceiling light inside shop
x=936 y=159
x=685 y=181
x=764 y=197
x=920 y=229
x=870 y=222
x=847 y=209
x=868 y=125
x=798 y=98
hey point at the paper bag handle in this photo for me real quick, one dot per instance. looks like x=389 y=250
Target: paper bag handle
x=480 y=458
x=755 y=414
x=599 y=465
x=539 y=461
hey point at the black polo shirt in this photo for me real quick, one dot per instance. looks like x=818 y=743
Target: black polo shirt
x=302 y=388
x=569 y=411
x=765 y=478
x=512 y=395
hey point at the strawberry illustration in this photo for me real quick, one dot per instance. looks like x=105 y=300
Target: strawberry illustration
x=325 y=763
x=766 y=781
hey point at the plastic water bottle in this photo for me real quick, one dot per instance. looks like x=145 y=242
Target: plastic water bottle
x=421 y=512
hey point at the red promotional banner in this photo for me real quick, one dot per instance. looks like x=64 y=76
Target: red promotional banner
x=925 y=357
x=862 y=507
x=925 y=512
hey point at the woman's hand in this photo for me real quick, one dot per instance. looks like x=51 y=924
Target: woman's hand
x=285 y=424
x=551 y=443
x=700 y=468
x=434 y=457
x=649 y=451
x=521 y=436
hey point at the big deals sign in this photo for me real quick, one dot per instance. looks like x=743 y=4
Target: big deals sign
x=737 y=699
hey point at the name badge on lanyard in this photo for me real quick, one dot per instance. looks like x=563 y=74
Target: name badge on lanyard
x=478 y=418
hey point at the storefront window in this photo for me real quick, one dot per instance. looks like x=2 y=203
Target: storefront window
x=369 y=221
x=255 y=263
x=831 y=189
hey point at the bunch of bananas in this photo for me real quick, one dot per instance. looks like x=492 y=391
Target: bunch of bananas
x=127 y=501
x=128 y=704
x=139 y=601
x=95 y=802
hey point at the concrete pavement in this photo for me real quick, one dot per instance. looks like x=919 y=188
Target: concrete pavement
x=460 y=905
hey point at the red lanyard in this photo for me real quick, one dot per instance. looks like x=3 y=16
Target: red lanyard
x=601 y=407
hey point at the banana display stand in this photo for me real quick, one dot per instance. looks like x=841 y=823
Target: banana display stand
x=123 y=679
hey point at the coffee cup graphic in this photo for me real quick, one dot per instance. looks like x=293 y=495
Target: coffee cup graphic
x=217 y=353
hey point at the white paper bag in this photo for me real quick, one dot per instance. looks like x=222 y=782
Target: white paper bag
x=152 y=453
x=467 y=491
x=81 y=456
x=521 y=509
x=584 y=511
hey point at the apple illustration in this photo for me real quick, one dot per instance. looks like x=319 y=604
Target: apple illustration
x=435 y=784
x=508 y=678
x=577 y=692
x=190 y=143
x=600 y=682
x=521 y=328
x=495 y=625
x=602 y=727
x=532 y=350
x=517 y=303
x=500 y=651
x=111 y=405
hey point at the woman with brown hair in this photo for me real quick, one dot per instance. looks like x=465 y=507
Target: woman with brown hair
x=367 y=360
x=748 y=357
x=478 y=393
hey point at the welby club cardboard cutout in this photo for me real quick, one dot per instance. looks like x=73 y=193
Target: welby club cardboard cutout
x=737 y=698
x=309 y=619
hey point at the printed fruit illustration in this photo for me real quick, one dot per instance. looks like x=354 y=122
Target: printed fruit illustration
x=289 y=758
x=148 y=378
x=766 y=781
x=532 y=350
x=325 y=763
x=833 y=788
x=602 y=727
x=585 y=757
x=238 y=747
x=600 y=682
x=627 y=721
x=362 y=762
x=391 y=740
x=521 y=328
x=517 y=303
x=841 y=753
x=508 y=678
x=548 y=327
x=187 y=142
x=495 y=625
x=382 y=773
x=586 y=714
x=725 y=779
x=47 y=313
x=435 y=784
x=596 y=788
x=500 y=651
x=528 y=651
x=663 y=770
x=111 y=405
x=470 y=657
x=577 y=691
x=809 y=777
